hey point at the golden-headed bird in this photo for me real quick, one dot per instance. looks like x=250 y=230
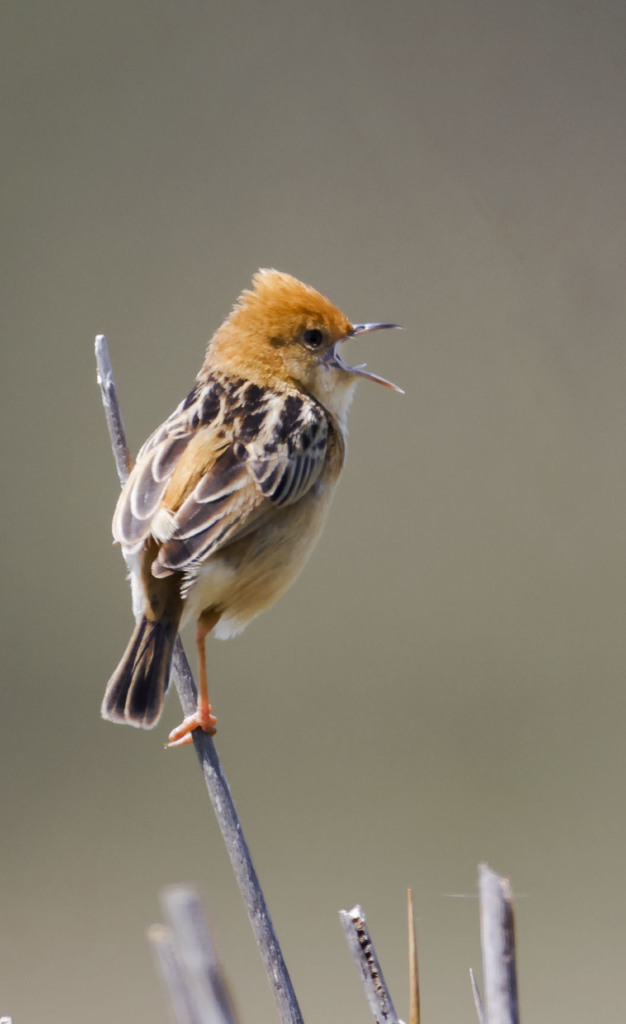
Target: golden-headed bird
x=228 y=496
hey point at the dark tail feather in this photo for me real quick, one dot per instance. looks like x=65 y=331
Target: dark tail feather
x=136 y=690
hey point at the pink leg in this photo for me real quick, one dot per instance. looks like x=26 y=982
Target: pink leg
x=202 y=717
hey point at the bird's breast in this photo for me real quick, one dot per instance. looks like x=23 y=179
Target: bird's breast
x=247 y=576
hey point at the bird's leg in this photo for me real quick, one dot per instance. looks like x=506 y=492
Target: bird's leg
x=202 y=717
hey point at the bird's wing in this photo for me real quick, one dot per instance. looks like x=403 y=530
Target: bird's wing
x=275 y=454
x=187 y=443
x=287 y=452
x=140 y=500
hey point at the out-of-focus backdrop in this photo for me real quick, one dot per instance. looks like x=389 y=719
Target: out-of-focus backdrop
x=446 y=681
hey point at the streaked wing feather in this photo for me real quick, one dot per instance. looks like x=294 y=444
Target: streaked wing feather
x=274 y=468
x=220 y=507
x=286 y=465
x=141 y=496
x=269 y=466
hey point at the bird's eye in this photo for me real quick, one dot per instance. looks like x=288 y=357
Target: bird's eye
x=313 y=338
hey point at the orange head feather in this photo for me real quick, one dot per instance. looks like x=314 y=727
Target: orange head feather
x=281 y=334
x=269 y=319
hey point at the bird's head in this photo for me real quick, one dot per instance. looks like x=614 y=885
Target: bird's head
x=282 y=332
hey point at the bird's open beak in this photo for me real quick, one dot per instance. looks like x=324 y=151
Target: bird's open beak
x=362 y=371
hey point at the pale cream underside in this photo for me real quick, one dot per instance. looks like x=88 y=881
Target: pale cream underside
x=252 y=573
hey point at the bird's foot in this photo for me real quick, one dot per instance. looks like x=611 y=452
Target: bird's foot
x=201 y=719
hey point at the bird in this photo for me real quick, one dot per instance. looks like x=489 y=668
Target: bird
x=227 y=498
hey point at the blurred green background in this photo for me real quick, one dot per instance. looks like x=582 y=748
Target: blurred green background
x=445 y=682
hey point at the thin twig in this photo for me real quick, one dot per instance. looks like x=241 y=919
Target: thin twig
x=360 y=944
x=217 y=786
x=478 y=1003
x=208 y=990
x=171 y=971
x=414 y=978
x=112 y=412
x=497 y=939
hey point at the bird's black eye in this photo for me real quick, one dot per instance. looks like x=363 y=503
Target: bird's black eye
x=313 y=338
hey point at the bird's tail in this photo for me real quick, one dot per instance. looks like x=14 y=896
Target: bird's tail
x=136 y=690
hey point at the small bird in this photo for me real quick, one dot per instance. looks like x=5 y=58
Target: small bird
x=228 y=496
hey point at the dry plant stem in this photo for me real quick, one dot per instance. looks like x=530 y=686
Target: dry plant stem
x=216 y=783
x=237 y=847
x=171 y=971
x=497 y=939
x=209 y=993
x=414 y=980
x=360 y=944
x=478 y=1003
x=113 y=415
